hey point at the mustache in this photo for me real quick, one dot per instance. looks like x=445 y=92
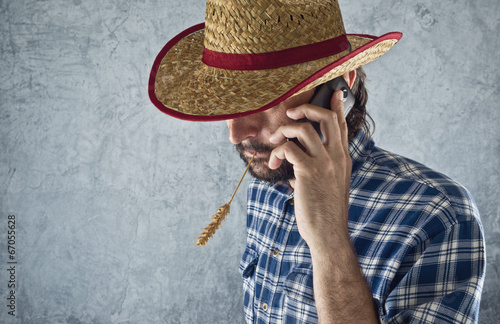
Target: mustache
x=253 y=147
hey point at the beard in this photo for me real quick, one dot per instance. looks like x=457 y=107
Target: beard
x=260 y=169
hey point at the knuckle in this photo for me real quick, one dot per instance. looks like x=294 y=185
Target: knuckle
x=288 y=145
x=308 y=129
x=343 y=124
x=333 y=116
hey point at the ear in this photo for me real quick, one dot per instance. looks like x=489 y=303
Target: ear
x=350 y=77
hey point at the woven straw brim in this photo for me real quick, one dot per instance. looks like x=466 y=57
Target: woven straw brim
x=183 y=87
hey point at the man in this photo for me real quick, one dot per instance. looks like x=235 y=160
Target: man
x=338 y=231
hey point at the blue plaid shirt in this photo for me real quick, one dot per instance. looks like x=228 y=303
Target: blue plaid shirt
x=417 y=234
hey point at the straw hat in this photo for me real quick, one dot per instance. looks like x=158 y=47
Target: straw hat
x=250 y=55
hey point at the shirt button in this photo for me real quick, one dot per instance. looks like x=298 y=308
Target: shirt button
x=265 y=307
x=276 y=252
x=291 y=202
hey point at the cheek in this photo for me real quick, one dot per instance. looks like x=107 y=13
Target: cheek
x=277 y=118
x=280 y=116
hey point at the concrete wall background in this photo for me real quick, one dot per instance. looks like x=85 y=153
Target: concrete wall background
x=109 y=194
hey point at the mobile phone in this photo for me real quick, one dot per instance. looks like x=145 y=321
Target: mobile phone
x=322 y=98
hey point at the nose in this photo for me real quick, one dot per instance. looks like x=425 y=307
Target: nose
x=242 y=128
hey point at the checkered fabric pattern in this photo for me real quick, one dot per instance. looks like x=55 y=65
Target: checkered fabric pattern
x=417 y=234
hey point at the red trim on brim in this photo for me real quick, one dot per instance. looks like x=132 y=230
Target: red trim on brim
x=314 y=76
x=154 y=71
x=276 y=59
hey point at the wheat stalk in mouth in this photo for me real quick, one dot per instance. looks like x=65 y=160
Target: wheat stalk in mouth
x=221 y=214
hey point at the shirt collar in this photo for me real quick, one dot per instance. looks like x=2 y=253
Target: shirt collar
x=360 y=147
x=282 y=188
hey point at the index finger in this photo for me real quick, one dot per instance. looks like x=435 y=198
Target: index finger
x=337 y=106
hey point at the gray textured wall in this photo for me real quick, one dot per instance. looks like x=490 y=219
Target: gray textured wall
x=109 y=194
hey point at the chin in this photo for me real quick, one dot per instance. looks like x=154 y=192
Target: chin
x=261 y=172
x=260 y=168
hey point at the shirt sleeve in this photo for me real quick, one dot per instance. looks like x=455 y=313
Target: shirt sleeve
x=441 y=279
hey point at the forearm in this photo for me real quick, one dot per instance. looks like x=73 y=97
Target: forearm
x=341 y=292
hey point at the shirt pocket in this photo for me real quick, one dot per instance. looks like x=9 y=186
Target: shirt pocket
x=248 y=263
x=299 y=297
x=299 y=286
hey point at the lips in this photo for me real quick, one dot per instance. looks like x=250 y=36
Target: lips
x=260 y=154
x=248 y=149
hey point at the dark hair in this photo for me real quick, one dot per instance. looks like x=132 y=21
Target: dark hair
x=358 y=118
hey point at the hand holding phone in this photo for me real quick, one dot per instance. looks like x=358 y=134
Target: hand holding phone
x=322 y=98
